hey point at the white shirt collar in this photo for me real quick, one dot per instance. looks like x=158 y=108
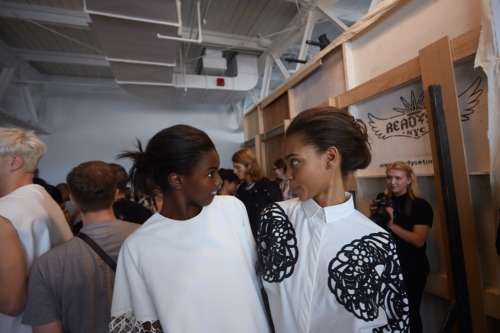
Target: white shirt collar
x=333 y=213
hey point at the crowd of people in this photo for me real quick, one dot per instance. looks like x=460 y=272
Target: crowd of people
x=198 y=248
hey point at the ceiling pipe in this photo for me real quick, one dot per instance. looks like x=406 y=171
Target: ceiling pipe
x=132 y=18
x=187 y=40
x=141 y=62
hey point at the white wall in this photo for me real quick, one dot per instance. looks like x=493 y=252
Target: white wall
x=98 y=126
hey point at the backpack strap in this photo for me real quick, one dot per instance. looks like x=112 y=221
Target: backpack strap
x=90 y=242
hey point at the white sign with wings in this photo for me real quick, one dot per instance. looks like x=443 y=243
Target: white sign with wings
x=398 y=127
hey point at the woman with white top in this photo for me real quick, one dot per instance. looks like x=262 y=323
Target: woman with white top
x=190 y=267
x=325 y=266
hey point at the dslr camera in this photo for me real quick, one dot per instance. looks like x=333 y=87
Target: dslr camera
x=380 y=215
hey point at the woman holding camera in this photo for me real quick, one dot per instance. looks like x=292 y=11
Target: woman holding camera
x=409 y=219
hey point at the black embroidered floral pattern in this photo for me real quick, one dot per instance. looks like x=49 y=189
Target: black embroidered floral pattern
x=276 y=245
x=365 y=276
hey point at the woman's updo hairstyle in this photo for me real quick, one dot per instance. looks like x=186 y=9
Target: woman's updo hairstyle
x=176 y=149
x=324 y=127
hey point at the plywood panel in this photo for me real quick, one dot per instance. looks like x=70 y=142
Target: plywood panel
x=274 y=113
x=410 y=27
x=251 y=124
x=436 y=63
x=305 y=71
x=324 y=83
x=273 y=152
x=462 y=46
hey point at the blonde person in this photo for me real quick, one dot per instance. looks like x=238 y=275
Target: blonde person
x=39 y=221
x=408 y=218
x=325 y=266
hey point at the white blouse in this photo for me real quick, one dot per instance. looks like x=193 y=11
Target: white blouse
x=193 y=276
x=329 y=269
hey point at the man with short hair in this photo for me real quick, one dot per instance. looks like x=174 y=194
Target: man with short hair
x=36 y=217
x=230 y=182
x=71 y=286
x=123 y=208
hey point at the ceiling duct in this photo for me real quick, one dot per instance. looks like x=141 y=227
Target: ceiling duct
x=212 y=63
x=142 y=45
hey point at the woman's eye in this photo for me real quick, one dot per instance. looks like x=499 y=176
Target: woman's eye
x=294 y=163
x=211 y=174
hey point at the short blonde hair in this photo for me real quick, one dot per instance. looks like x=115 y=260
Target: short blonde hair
x=412 y=190
x=22 y=142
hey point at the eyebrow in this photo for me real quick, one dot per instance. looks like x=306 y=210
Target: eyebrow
x=289 y=155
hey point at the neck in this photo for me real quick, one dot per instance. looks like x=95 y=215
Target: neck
x=120 y=195
x=176 y=207
x=248 y=180
x=334 y=193
x=15 y=181
x=90 y=218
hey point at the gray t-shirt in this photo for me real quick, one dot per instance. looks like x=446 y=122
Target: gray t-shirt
x=71 y=283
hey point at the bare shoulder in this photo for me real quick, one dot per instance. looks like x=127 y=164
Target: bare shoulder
x=6 y=228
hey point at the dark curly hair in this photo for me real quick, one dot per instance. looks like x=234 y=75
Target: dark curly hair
x=176 y=149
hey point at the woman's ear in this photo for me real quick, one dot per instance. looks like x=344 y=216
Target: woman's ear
x=175 y=181
x=332 y=157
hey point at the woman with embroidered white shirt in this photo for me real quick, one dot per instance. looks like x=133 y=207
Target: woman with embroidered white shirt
x=190 y=267
x=324 y=265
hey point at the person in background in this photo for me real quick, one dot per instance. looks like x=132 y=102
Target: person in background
x=279 y=168
x=408 y=218
x=123 y=208
x=230 y=182
x=324 y=265
x=67 y=205
x=256 y=191
x=190 y=267
x=70 y=286
x=37 y=218
x=145 y=200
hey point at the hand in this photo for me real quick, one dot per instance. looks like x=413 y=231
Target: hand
x=373 y=207
x=390 y=211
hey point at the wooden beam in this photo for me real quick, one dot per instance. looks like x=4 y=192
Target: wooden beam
x=436 y=63
x=461 y=47
x=391 y=79
x=465 y=45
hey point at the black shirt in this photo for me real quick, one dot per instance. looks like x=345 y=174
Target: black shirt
x=130 y=211
x=256 y=198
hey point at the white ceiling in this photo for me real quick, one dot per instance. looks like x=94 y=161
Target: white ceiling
x=59 y=43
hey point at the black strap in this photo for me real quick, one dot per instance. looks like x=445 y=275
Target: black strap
x=107 y=259
x=268 y=309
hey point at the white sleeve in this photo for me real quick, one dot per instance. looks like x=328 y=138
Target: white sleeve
x=131 y=306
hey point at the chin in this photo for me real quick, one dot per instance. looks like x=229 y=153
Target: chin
x=209 y=200
x=302 y=196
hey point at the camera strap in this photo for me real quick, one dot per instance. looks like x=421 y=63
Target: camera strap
x=408 y=205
